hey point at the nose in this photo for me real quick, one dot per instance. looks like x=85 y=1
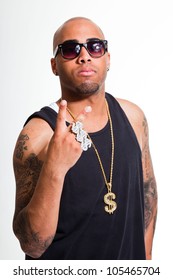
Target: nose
x=84 y=56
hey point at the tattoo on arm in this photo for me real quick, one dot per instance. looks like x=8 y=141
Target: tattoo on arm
x=30 y=240
x=150 y=188
x=21 y=146
x=27 y=173
x=150 y=197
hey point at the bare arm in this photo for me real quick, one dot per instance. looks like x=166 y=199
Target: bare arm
x=36 y=213
x=39 y=177
x=150 y=192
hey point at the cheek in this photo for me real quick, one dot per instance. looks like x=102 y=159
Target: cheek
x=102 y=64
x=62 y=69
x=103 y=70
x=65 y=74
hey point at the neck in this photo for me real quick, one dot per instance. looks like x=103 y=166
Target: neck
x=96 y=119
x=96 y=101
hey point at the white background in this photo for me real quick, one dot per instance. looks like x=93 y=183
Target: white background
x=140 y=35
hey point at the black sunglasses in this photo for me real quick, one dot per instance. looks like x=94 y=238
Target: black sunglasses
x=71 y=50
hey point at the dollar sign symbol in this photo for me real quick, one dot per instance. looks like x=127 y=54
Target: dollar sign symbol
x=108 y=199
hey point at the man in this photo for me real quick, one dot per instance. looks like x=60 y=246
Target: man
x=84 y=177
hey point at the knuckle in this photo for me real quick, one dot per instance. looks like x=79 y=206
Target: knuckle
x=60 y=118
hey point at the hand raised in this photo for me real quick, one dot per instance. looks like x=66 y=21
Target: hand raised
x=64 y=151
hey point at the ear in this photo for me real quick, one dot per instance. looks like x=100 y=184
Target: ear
x=53 y=66
x=108 y=61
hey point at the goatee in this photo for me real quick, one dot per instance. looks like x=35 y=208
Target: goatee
x=87 y=88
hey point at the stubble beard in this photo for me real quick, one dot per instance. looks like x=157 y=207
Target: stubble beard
x=86 y=89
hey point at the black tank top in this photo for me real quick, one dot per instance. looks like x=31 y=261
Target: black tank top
x=85 y=230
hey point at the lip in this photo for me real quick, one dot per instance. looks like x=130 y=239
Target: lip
x=86 y=72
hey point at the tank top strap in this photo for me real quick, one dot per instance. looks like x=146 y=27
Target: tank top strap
x=46 y=113
x=120 y=117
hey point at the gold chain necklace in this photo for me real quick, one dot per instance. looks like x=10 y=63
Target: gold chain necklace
x=110 y=196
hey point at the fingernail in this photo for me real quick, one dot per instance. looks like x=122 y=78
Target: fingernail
x=63 y=102
x=88 y=109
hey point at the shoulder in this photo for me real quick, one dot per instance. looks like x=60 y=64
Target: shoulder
x=33 y=140
x=133 y=111
x=136 y=118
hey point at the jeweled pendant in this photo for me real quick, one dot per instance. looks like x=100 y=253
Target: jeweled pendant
x=112 y=205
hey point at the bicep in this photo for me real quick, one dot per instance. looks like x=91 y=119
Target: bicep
x=150 y=189
x=27 y=167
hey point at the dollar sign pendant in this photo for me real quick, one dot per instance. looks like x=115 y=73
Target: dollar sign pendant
x=108 y=199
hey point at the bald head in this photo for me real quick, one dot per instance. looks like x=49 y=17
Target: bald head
x=76 y=28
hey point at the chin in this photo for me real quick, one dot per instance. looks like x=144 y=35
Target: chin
x=87 y=89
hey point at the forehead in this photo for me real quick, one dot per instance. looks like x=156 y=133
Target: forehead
x=79 y=30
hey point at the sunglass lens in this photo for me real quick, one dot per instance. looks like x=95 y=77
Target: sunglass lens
x=70 y=51
x=96 y=49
